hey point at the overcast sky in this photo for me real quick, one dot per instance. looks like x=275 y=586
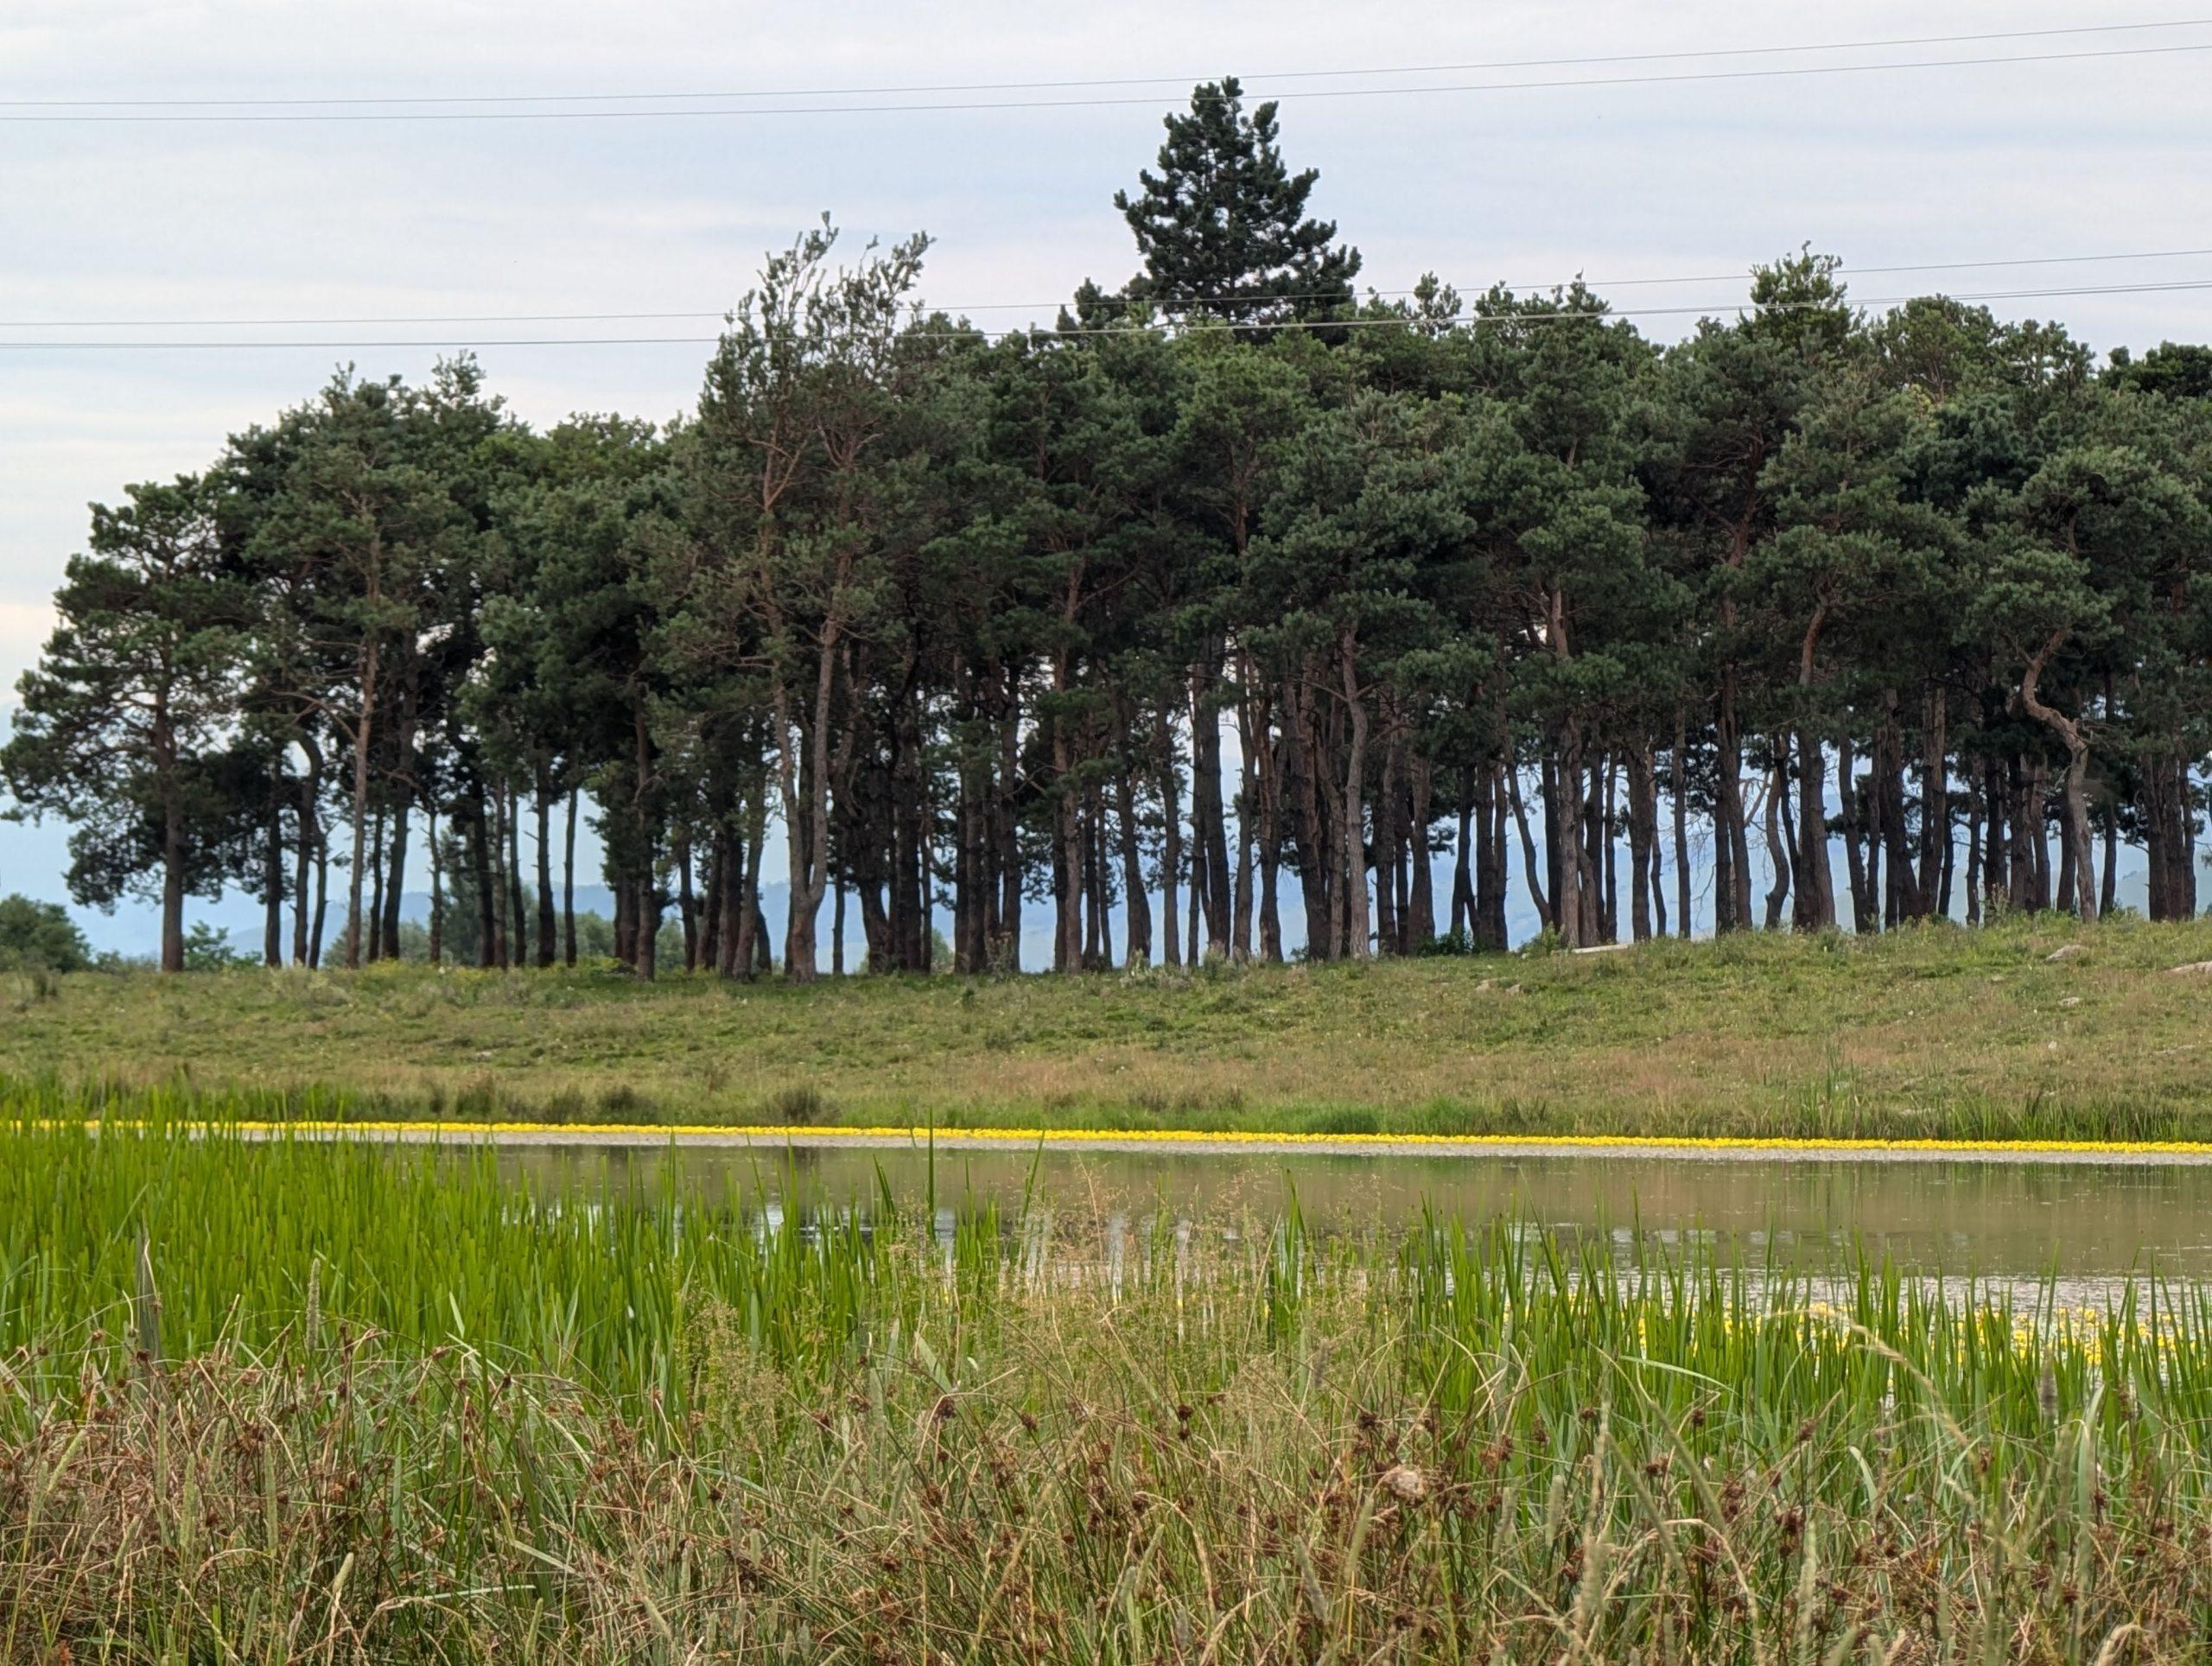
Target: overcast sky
x=209 y=220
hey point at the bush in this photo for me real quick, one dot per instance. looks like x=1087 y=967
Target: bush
x=208 y=948
x=40 y=936
x=794 y=1107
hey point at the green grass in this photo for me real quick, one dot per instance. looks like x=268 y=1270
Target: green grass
x=1939 y=1032
x=282 y=1400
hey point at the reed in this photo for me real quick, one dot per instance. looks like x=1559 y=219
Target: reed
x=283 y=1398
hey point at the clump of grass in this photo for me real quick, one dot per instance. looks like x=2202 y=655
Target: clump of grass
x=800 y=1104
x=621 y=1102
x=565 y=1106
x=1343 y=1119
x=476 y=1100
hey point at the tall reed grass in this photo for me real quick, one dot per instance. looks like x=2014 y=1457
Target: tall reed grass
x=285 y=1399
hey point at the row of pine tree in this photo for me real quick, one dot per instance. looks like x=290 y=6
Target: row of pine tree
x=1230 y=582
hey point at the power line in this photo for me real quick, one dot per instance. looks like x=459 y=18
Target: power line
x=1226 y=298
x=142 y=118
x=1071 y=85
x=1048 y=332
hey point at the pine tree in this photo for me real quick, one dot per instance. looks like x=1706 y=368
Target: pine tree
x=131 y=696
x=1222 y=226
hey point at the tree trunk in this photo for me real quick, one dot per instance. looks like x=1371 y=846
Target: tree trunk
x=1421 y=903
x=480 y=851
x=310 y=831
x=1489 y=927
x=1814 y=908
x=806 y=824
x=437 y=947
x=1530 y=867
x=1732 y=857
x=1974 y=852
x=1563 y=818
x=1934 y=799
x=568 y=886
x=1996 y=837
x=272 y=881
x=1643 y=840
x=173 y=845
x=502 y=943
x=321 y=894
x=1269 y=765
x=1908 y=902
x=2036 y=827
x=544 y=796
x=1240 y=921
x=1067 y=845
x=362 y=731
x=1863 y=918
x=395 y=885
x=1355 y=816
x=731 y=904
x=1777 y=851
x=1608 y=840
x=2169 y=816
x=1006 y=946
x=1133 y=886
x=375 y=944
x=519 y=928
x=2077 y=769
x=1171 y=854
x=710 y=904
x=687 y=903
x=1681 y=795
x=1463 y=859
x=1207 y=830
x=1389 y=843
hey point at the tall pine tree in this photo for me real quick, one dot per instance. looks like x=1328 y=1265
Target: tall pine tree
x=1222 y=226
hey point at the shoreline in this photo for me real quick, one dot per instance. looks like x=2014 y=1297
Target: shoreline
x=1205 y=1143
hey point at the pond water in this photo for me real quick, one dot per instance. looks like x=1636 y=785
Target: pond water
x=2004 y=1220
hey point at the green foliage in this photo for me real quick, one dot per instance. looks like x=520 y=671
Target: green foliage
x=1223 y=228
x=40 y=936
x=208 y=949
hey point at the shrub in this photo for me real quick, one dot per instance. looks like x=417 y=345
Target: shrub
x=40 y=936
x=208 y=948
x=794 y=1107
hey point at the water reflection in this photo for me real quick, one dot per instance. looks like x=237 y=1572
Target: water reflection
x=2005 y=1221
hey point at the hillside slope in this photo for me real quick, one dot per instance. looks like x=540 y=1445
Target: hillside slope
x=1978 y=1034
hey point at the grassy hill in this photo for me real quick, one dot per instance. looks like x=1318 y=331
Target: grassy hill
x=1942 y=1032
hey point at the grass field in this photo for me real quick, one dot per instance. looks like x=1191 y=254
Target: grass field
x=1941 y=1032
x=304 y=1401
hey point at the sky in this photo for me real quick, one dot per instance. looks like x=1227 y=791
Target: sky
x=141 y=224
